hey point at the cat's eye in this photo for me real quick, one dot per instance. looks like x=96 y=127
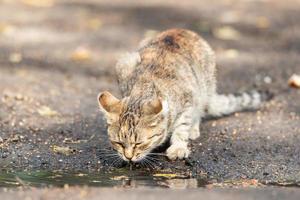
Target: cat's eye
x=137 y=144
x=155 y=135
x=118 y=143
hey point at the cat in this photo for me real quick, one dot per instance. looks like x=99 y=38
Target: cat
x=168 y=86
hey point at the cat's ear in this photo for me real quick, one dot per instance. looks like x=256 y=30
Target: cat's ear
x=155 y=107
x=108 y=103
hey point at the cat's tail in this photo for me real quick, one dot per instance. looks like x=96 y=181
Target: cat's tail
x=221 y=104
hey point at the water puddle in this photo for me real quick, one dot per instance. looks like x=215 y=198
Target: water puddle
x=118 y=178
x=123 y=178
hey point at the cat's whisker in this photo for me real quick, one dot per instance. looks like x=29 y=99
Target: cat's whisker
x=142 y=163
x=105 y=150
x=153 y=159
x=111 y=158
x=157 y=154
x=146 y=163
x=120 y=161
x=110 y=154
x=156 y=157
x=130 y=166
x=116 y=161
x=155 y=163
x=151 y=163
x=112 y=164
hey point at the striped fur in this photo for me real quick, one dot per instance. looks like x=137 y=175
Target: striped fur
x=168 y=85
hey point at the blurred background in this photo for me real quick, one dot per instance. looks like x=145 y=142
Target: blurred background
x=57 y=55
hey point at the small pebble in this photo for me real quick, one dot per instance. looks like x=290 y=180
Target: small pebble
x=267 y=79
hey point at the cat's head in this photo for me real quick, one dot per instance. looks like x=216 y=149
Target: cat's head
x=134 y=128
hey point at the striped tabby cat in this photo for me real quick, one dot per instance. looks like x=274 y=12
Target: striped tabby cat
x=168 y=85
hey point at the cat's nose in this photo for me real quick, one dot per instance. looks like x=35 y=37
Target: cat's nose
x=128 y=154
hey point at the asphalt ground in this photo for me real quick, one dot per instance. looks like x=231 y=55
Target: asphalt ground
x=56 y=56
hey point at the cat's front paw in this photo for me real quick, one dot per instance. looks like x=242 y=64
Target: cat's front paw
x=194 y=134
x=178 y=151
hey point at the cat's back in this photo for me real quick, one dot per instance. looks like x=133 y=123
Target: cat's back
x=170 y=56
x=174 y=45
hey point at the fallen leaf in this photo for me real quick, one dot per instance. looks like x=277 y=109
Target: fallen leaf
x=71 y=141
x=166 y=175
x=63 y=150
x=94 y=23
x=6 y=29
x=231 y=53
x=46 y=111
x=226 y=33
x=254 y=182
x=237 y=183
x=251 y=182
x=81 y=175
x=15 y=138
x=20 y=97
x=262 y=22
x=118 y=178
x=81 y=54
x=294 y=81
x=15 y=57
x=38 y=3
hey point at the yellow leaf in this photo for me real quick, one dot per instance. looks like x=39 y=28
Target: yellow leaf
x=81 y=54
x=6 y=28
x=46 y=111
x=226 y=33
x=62 y=150
x=94 y=23
x=166 y=175
x=231 y=53
x=262 y=22
x=15 y=57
